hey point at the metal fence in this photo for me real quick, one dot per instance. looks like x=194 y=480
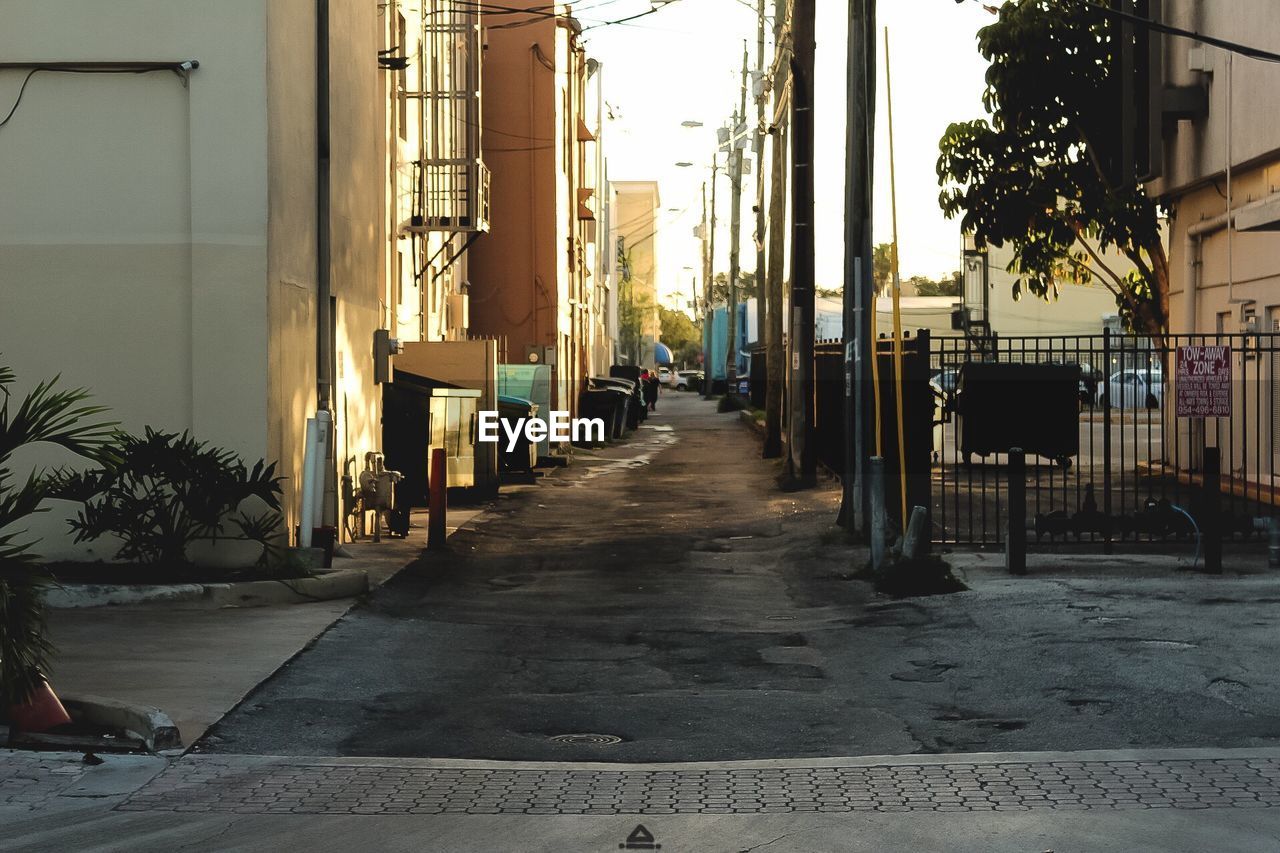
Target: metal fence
x=1132 y=471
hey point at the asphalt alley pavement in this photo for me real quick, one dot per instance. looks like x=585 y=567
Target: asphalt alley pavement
x=661 y=601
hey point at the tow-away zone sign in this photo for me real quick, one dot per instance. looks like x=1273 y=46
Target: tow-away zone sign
x=1203 y=382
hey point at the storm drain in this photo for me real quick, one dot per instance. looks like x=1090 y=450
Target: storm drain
x=587 y=739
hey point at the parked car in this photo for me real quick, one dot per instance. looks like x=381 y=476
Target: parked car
x=688 y=380
x=1135 y=389
x=666 y=376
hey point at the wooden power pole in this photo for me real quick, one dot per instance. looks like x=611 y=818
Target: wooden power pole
x=735 y=227
x=859 y=284
x=775 y=352
x=802 y=463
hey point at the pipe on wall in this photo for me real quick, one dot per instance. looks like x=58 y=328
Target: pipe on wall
x=324 y=319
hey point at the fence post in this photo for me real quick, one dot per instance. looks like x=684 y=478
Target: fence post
x=1015 y=539
x=878 y=522
x=1106 y=440
x=437 y=500
x=1211 y=524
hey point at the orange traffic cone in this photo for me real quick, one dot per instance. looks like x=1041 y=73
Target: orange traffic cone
x=43 y=711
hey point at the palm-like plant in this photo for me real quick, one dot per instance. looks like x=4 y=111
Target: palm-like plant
x=45 y=415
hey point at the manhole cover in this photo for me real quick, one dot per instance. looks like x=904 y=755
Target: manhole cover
x=588 y=739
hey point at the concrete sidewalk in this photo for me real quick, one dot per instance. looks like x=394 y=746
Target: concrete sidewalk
x=1168 y=800
x=195 y=665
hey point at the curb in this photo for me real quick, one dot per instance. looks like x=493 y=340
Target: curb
x=344 y=583
x=750 y=422
x=149 y=725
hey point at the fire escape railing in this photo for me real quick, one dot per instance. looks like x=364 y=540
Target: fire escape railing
x=450 y=180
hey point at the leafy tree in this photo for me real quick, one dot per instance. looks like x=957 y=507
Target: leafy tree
x=882 y=267
x=720 y=287
x=1033 y=175
x=632 y=309
x=683 y=335
x=924 y=286
x=45 y=415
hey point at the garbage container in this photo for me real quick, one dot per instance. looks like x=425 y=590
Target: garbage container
x=624 y=405
x=632 y=372
x=600 y=403
x=524 y=456
x=1035 y=407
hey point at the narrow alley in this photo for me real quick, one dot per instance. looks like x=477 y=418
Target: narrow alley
x=661 y=600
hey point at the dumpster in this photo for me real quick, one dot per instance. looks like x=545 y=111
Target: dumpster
x=1032 y=406
x=530 y=382
x=419 y=414
x=524 y=456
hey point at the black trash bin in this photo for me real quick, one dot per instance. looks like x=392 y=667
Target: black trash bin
x=621 y=391
x=524 y=456
x=632 y=372
x=599 y=403
x=1032 y=406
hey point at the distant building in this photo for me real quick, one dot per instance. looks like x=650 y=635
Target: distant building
x=634 y=239
x=1079 y=308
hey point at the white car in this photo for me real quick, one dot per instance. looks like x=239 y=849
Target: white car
x=1134 y=389
x=688 y=380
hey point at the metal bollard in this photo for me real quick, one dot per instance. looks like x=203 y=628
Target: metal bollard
x=1015 y=538
x=437 y=503
x=1273 y=543
x=878 y=520
x=916 y=542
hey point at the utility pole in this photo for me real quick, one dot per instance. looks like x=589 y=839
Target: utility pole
x=859 y=284
x=775 y=353
x=708 y=366
x=706 y=287
x=802 y=463
x=758 y=147
x=735 y=227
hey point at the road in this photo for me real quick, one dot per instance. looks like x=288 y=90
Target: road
x=663 y=593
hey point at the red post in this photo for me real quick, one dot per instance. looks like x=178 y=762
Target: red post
x=436 y=502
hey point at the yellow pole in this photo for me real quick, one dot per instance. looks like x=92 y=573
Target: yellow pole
x=897 y=294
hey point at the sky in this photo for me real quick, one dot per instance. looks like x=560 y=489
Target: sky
x=683 y=63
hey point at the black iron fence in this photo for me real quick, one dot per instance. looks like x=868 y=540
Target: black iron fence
x=1108 y=458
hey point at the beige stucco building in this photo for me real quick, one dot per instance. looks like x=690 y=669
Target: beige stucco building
x=634 y=239
x=1224 y=257
x=211 y=246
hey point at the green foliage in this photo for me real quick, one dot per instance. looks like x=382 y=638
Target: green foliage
x=683 y=335
x=162 y=491
x=632 y=308
x=1033 y=177
x=882 y=266
x=45 y=415
x=925 y=286
x=731 y=403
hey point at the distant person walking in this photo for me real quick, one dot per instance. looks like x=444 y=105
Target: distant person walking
x=650 y=380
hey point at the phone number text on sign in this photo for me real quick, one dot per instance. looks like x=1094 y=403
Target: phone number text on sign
x=1204 y=382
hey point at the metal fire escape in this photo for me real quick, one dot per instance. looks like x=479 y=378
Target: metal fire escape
x=450 y=179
